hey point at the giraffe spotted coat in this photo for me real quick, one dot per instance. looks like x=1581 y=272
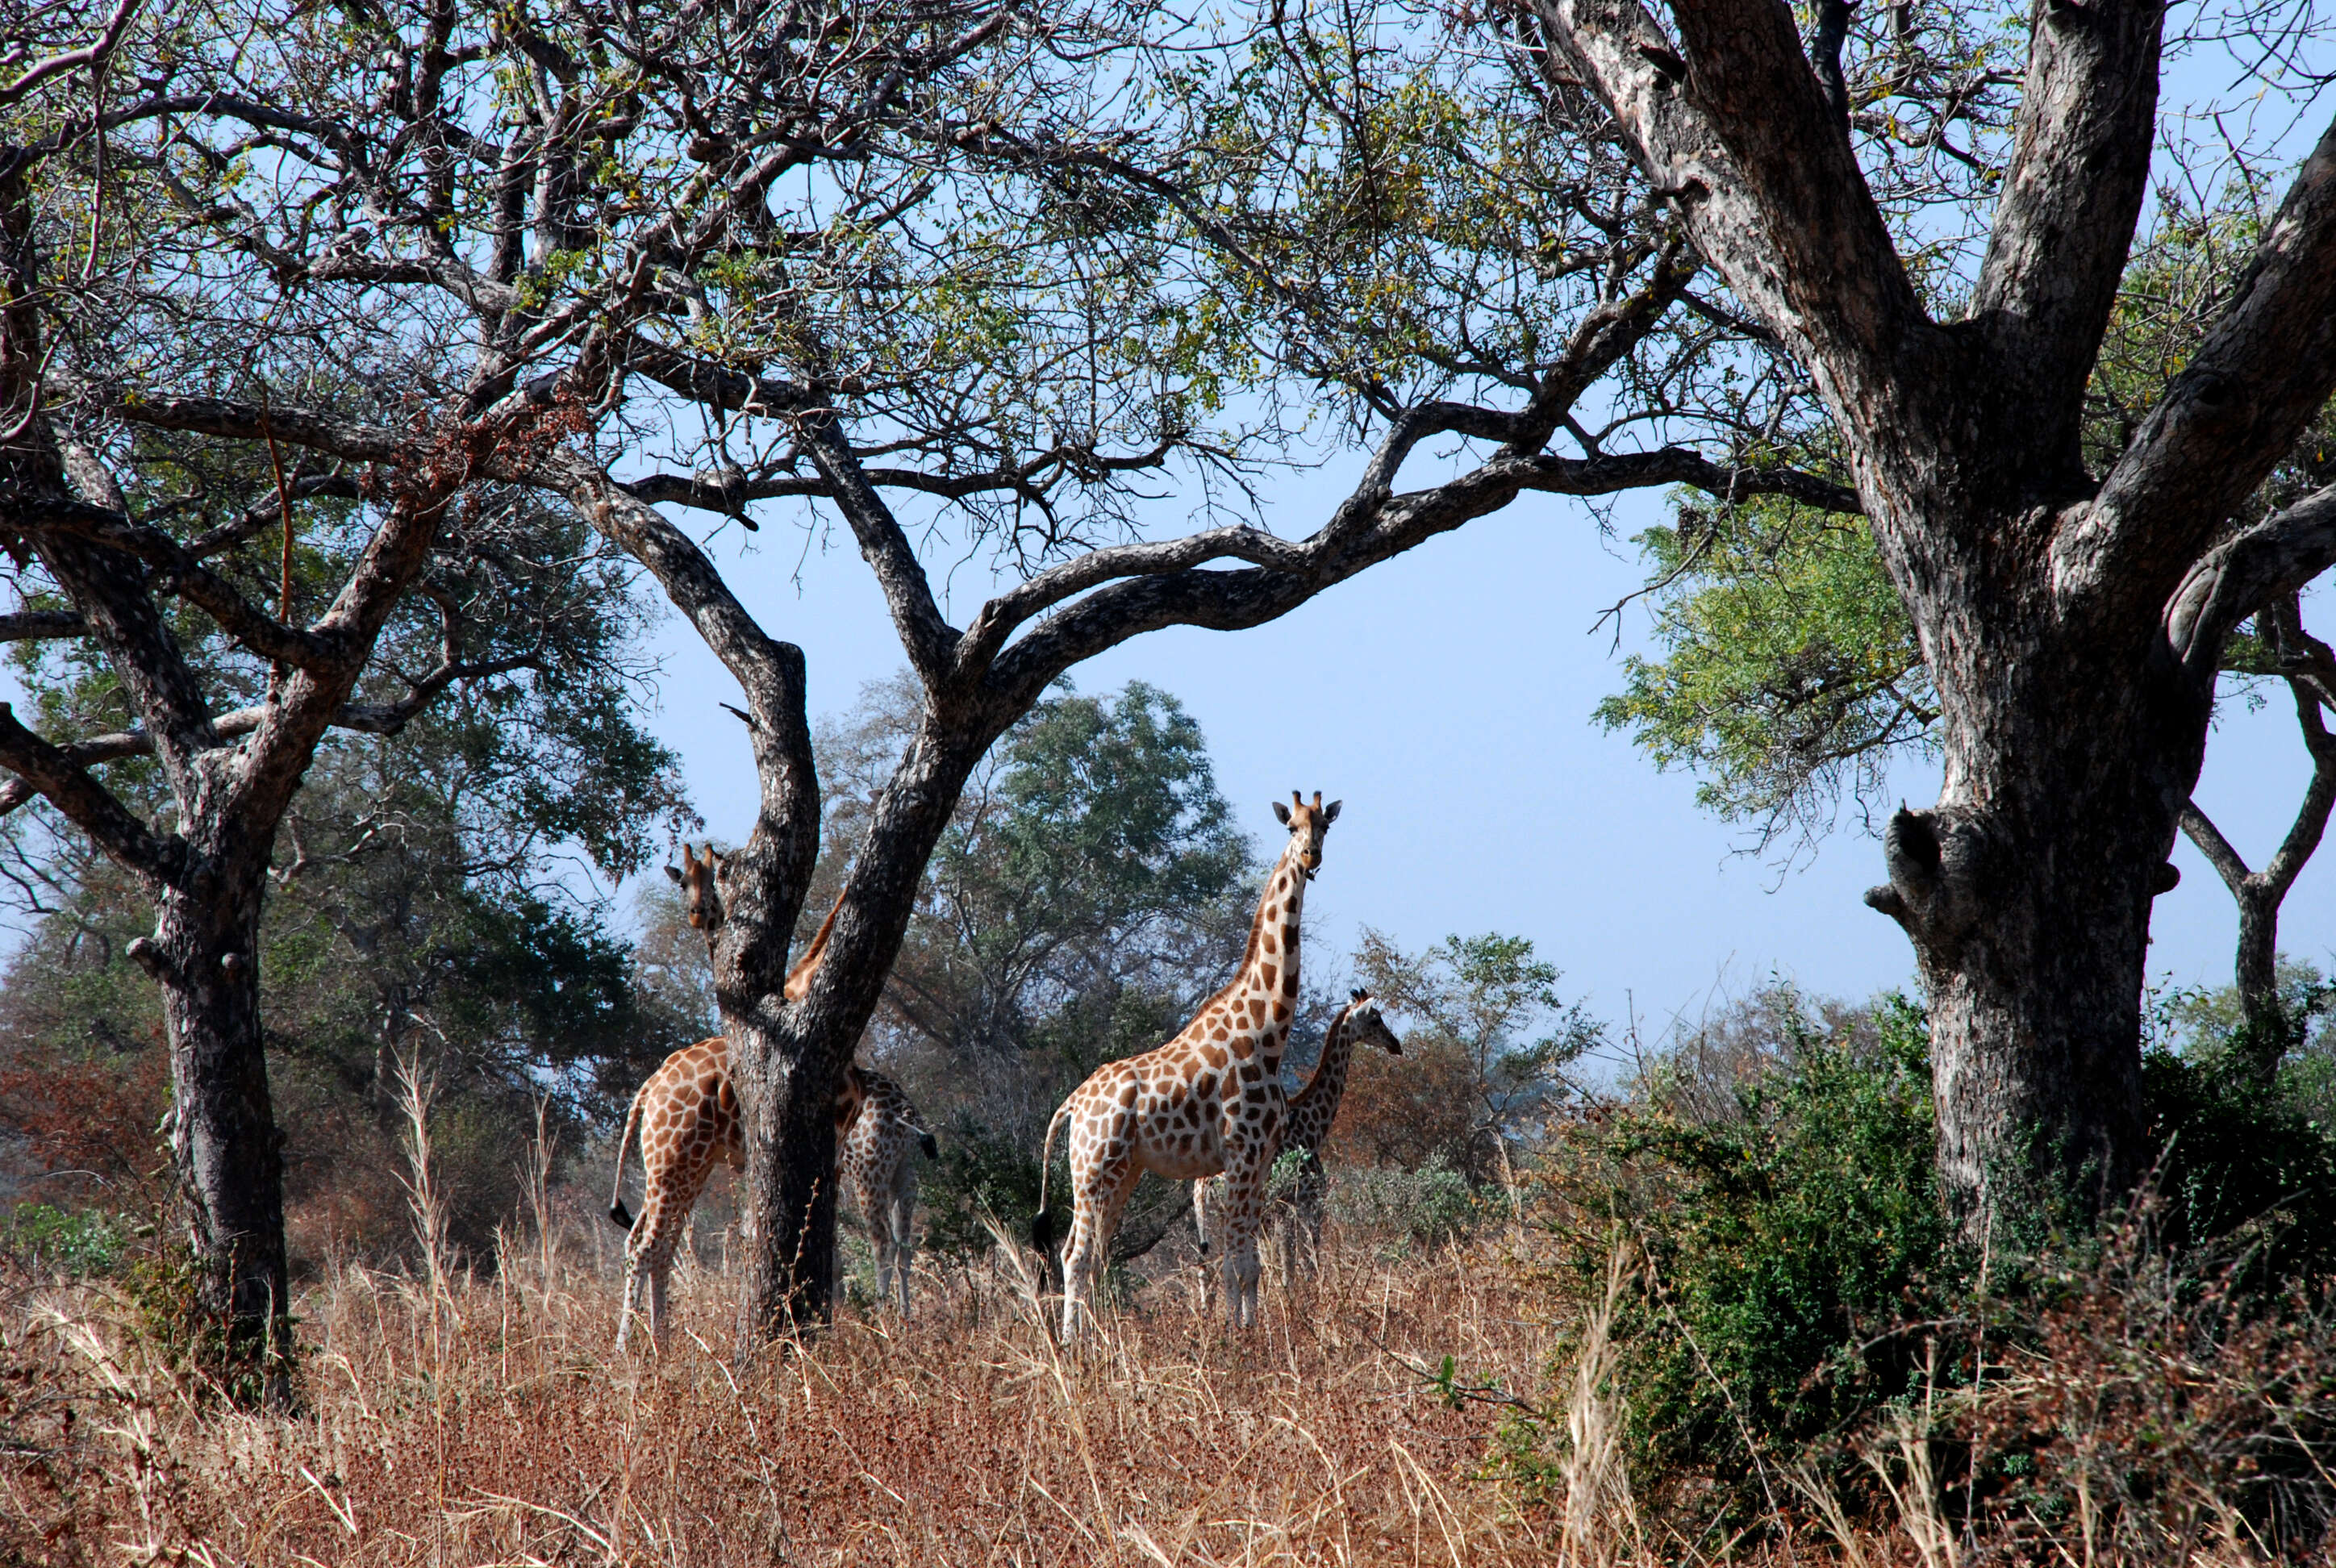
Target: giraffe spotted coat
x=686 y=1119
x=1306 y=1126
x=1208 y=1101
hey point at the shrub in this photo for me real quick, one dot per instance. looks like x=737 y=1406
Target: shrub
x=82 y=1243
x=1426 y=1207
x=1787 y=1248
x=2163 y=1410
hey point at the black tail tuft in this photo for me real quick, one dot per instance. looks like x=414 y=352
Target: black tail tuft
x=931 y=1144
x=621 y=1214
x=1046 y=1230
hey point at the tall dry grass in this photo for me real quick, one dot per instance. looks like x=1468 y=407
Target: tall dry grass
x=454 y=1419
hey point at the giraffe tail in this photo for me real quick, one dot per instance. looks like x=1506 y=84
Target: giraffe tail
x=616 y=1210
x=1047 y=1228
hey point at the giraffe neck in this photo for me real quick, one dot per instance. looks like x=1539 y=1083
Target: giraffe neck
x=1313 y=1108
x=1264 y=998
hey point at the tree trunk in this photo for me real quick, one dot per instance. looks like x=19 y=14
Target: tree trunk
x=224 y=1141
x=2026 y=891
x=787 y=1059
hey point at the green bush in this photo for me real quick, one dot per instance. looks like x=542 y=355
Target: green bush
x=978 y=1177
x=1785 y=1248
x=1799 y=1277
x=1426 y=1207
x=83 y=1242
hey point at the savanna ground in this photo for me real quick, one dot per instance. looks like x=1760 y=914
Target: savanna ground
x=475 y=1421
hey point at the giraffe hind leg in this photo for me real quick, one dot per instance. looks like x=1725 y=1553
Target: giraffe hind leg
x=1102 y=1192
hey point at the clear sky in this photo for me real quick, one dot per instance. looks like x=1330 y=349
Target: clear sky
x=1446 y=696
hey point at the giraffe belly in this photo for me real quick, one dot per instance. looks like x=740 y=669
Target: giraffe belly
x=1180 y=1136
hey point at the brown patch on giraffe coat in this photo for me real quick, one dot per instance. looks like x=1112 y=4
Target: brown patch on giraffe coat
x=1269 y=973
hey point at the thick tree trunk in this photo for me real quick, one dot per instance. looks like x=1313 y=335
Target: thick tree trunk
x=224 y=1141
x=788 y=1060
x=2026 y=891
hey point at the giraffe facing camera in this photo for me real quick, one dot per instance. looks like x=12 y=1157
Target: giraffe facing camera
x=1209 y=1102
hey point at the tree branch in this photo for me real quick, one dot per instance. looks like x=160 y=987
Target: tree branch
x=2256 y=384
x=28 y=625
x=2080 y=169
x=2277 y=556
x=1157 y=585
x=55 y=773
x=1739 y=136
x=929 y=639
x=197 y=583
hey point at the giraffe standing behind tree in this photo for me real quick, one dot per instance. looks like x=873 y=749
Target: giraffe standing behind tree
x=686 y=1118
x=1208 y=1101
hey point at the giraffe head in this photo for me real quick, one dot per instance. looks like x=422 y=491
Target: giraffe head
x=1307 y=825
x=1364 y=1023
x=700 y=899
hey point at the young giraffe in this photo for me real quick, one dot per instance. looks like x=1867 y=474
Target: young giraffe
x=687 y=1115
x=1210 y=1100
x=1305 y=1126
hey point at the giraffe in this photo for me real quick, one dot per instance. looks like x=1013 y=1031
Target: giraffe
x=873 y=1158
x=1306 y=1124
x=686 y=1118
x=1208 y=1101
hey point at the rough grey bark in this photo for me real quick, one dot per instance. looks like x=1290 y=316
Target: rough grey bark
x=2072 y=621
x=231 y=777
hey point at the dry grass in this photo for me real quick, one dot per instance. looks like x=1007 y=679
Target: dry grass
x=465 y=1421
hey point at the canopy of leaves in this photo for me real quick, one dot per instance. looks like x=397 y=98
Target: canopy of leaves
x=1788 y=667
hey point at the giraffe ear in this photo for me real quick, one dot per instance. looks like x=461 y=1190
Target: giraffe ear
x=1330 y=814
x=1281 y=814
x=674 y=873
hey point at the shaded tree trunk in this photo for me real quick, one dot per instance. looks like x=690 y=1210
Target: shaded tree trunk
x=225 y=1146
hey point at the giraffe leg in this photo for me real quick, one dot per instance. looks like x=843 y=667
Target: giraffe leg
x=904 y=1238
x=1101 y=1192
x=1245 y=1171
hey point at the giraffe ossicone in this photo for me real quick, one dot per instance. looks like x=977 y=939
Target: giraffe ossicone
x=1306 y=1125
x=1210 y=1101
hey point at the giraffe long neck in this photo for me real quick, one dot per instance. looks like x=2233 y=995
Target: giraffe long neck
x=1313 y=1108
x=1266 y=995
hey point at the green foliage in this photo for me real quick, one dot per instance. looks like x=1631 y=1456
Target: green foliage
x=1487 y=1042
x=1788 y=670
x=1787 y=674
x=1427 y=1207
x=979 y=1177
x=79 y=1243
x=2245 y=1166
x=1785 y=1244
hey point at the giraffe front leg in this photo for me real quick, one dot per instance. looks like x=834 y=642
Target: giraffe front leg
x=1243 y=1211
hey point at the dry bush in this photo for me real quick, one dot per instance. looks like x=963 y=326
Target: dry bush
x=2161 y=1412
x=500 y=1428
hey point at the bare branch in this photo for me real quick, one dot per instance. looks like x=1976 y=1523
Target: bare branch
x=55 y=773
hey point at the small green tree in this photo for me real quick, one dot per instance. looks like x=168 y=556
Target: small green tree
x=1487 y=1040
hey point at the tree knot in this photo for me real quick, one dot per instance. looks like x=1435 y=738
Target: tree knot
x=1934 y=859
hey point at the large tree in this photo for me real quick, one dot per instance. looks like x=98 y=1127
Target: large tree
x=959 y=276
x=2071 y=613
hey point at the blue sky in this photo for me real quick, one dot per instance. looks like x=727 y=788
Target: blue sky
x=1446 y=696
